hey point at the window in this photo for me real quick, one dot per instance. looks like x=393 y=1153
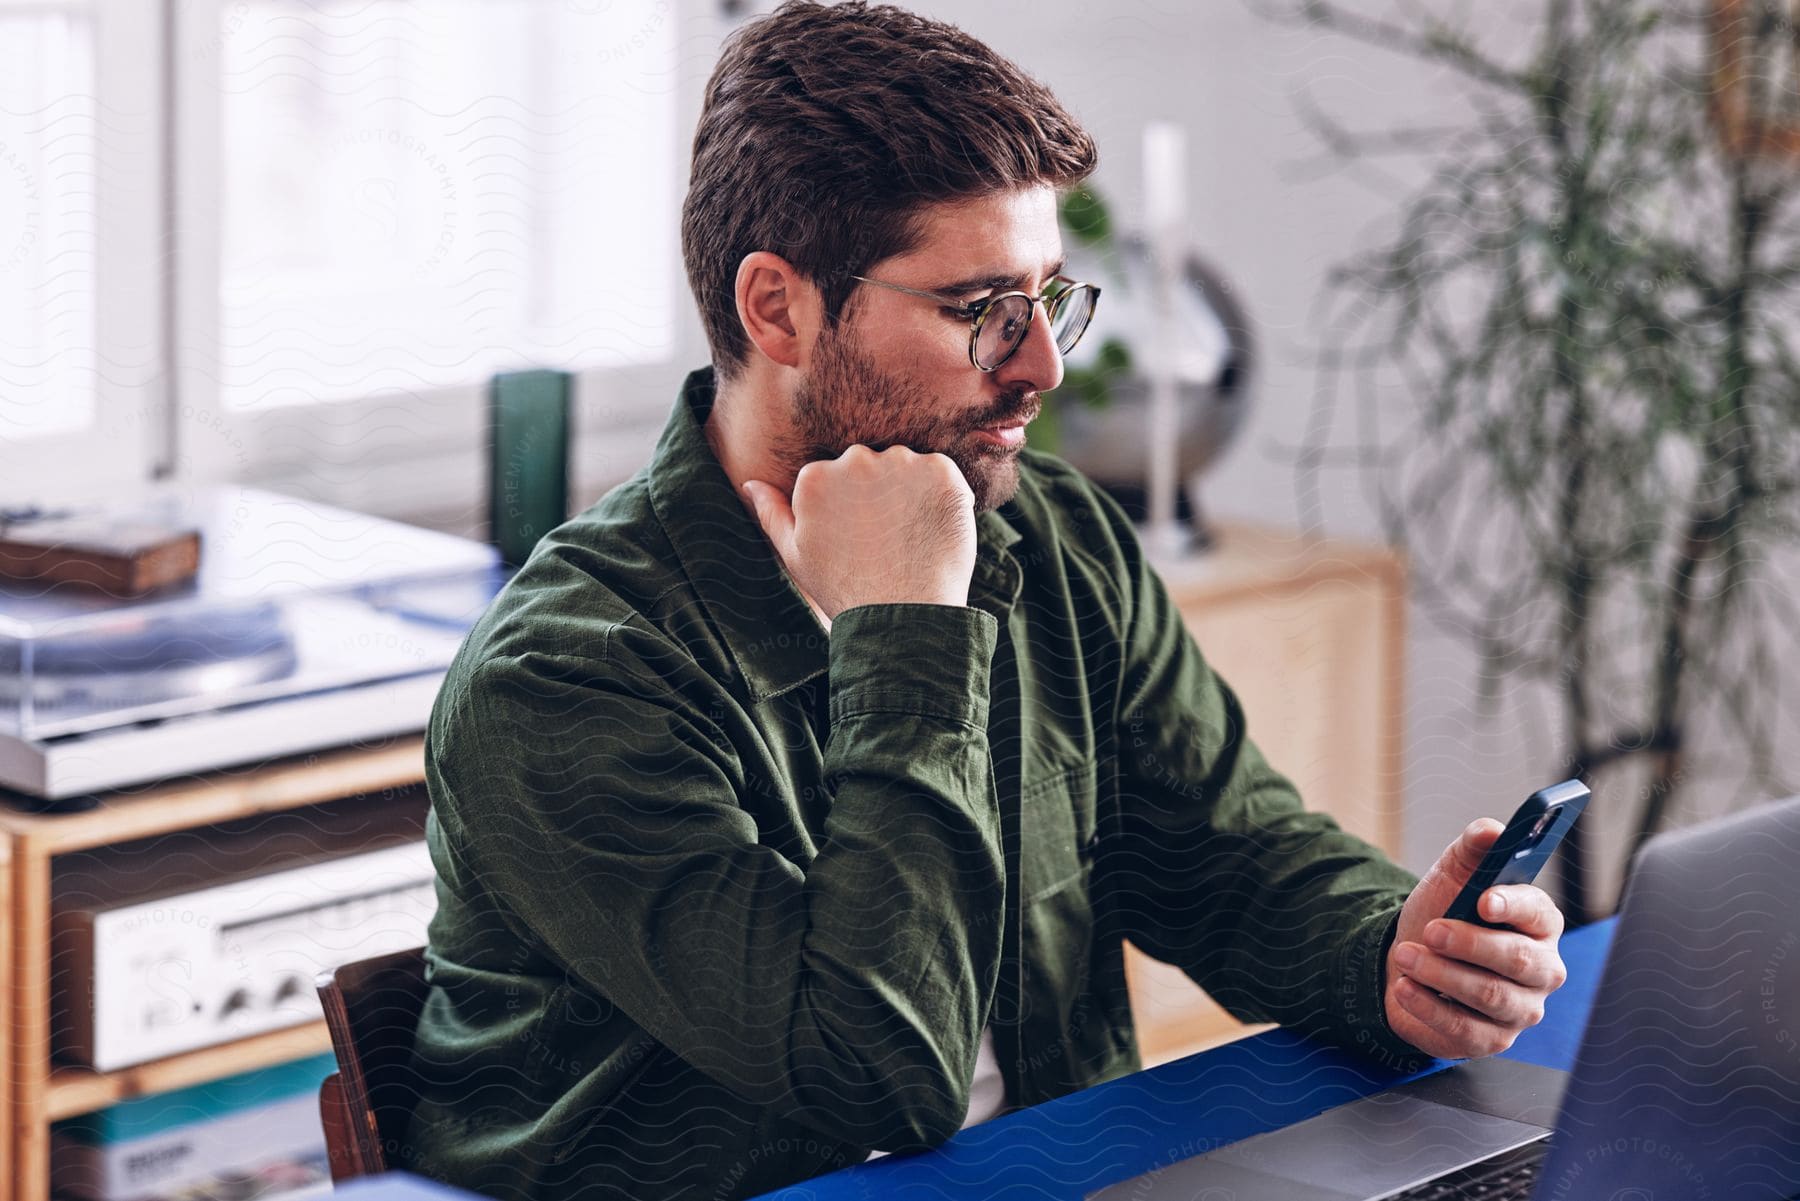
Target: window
x=47 y=216
x=413 y=196
x=383 y=202
x=291 y=240
x=80 y=286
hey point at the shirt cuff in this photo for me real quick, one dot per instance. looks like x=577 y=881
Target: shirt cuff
x=906 y=657
x=1364 y=972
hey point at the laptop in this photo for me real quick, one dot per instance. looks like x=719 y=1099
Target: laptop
x=1686 y=1086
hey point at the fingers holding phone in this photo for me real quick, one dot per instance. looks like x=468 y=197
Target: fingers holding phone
x=1474 y=956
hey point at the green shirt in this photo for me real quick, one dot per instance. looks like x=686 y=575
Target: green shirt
x=725 y=902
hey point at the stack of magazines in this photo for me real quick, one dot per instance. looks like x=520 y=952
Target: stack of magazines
x=256 y=1135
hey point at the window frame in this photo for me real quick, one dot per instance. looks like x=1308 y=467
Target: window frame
x=129 y=428
x=616 y=412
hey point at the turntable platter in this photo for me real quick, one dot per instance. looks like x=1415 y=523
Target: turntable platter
x=144 y=661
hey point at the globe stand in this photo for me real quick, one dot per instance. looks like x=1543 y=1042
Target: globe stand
x=1135 y=500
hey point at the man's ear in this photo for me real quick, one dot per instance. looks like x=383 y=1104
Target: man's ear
x=781 y=310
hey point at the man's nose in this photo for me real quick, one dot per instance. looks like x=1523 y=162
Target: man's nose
x=1037 y=364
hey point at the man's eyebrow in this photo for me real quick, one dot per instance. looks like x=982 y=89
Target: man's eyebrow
x=995 y=280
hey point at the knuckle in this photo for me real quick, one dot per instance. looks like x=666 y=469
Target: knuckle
x=946 y=467
x=1534 y=902
x=1518 y=962
x=1493 y=997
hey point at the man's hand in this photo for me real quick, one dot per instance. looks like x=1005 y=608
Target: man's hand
x=874 y=527
x=1496 y=980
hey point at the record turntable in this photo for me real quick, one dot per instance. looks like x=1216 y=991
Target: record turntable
x=306 y=626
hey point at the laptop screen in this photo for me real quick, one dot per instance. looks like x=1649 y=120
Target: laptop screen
x=1687 y=1083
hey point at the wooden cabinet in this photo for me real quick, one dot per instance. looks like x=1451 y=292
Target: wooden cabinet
x=43 y=1091
x=1310 y=634
x=8 y=1164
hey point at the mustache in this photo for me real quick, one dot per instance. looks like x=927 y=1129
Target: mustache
x=1019 y=410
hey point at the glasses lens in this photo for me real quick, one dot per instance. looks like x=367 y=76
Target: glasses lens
x=1002 y=330
x=1009 y=320
x=1070 y=313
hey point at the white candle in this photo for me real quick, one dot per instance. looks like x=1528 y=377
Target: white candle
x=1165 y=204
x=1165 y=184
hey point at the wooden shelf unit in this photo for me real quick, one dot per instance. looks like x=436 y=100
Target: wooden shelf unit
x=8 y=1163
x=42 y=1091
x=74 y=1090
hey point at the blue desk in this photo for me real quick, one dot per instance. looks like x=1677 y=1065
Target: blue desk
x=399 y=1186
x=1113 y=1131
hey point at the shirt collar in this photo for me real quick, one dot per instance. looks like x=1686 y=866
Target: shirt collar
x=771 y=635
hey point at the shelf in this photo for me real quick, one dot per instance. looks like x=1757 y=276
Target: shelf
x=76 y=1090
x=42 y=1091
x=1252 y=561
x=221 y=796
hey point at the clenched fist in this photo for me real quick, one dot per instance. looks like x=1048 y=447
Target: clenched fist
x=873 y=527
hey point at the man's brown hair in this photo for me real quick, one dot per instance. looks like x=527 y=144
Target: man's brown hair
x=825 y=131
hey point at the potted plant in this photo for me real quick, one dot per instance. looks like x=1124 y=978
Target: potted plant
x=1591 y=301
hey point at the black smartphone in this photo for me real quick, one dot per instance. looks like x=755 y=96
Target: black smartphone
x=1523 y=848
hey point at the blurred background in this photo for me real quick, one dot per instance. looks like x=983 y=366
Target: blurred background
x=1493 y=321
x=290 y=241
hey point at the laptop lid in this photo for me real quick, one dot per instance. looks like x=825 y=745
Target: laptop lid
x=1687 y=1083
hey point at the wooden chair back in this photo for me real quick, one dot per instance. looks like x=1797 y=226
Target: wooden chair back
x=372 y=1008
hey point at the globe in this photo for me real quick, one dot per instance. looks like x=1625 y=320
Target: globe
x=1214 y=371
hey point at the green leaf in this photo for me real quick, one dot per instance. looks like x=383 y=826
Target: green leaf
x=1085 y=385
x=1115 y=356
x=1092 y=386
x=1045 y=433
x=1084 y=216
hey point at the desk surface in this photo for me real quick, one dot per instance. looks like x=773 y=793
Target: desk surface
x=1113 y=1131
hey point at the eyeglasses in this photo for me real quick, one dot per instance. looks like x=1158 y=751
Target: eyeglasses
x=998 y=324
